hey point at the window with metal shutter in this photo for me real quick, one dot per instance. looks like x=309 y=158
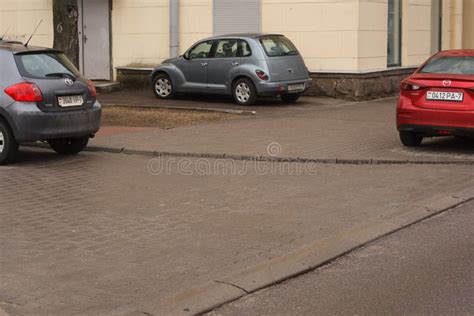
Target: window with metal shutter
x=237 y=16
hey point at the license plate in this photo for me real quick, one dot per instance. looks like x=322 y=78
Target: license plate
x=70 y=100
x=445 y=96
x=296 y=87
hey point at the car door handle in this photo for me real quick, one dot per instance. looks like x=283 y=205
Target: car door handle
x=235 y=64
x=204 y=64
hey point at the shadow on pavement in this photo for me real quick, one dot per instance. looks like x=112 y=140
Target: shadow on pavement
x=447 y=145
x=146 y=97
x=32 y=155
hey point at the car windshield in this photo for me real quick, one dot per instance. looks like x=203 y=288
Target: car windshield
x=45 y=65
x=461 y=65
x=276 y=46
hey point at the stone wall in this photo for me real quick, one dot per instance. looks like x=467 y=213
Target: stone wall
x=359 y=86
x=349 y=86
x=133 y=78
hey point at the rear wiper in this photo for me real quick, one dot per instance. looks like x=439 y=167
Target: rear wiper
x=293 y=52
x=61 y=75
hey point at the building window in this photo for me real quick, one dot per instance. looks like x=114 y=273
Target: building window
x=394 y=33
x=436 y=20
x=243 y=16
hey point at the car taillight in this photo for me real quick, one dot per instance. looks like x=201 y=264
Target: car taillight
x=25 y=92
x=409 y=86
x=92 y=88
x=261 y=74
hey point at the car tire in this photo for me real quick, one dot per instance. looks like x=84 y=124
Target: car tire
x=69 y=146
x=410 y=139
x=290 y=97
x=244 y=92
x=8 y=144
x=163 y=86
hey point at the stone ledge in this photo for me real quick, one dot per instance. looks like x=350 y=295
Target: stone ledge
x=358 y=86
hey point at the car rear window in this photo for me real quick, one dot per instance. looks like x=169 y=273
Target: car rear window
x=462 y=65
x=45 y=65
x=277 y=46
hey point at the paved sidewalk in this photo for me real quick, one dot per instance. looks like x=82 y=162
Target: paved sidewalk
x=108 y=234
x=363 y=130
x=116 y=234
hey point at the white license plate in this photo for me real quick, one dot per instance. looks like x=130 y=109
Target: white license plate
x=70 y=100
x=296 y=87
x=445 y=96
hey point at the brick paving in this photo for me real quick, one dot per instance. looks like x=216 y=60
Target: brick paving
x=363 y=130
x=99 y=234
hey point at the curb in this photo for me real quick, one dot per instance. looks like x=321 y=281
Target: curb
x=262 y=275
x=266 y=158
x=198 y=109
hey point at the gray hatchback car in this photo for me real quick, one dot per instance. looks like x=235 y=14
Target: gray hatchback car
x=245 y=66
x=43 y=97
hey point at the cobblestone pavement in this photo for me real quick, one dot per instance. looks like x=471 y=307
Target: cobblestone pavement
x=363 y=130
x=100 y=233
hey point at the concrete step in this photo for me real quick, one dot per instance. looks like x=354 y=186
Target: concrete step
x=106 y=86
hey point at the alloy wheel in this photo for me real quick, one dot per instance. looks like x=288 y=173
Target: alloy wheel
x=2 y=141
x=163 y=87
x=242 y=92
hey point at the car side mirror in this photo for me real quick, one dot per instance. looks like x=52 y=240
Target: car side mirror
x=186 y=55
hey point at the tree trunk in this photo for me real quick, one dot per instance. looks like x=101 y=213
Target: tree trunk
x=66 y=37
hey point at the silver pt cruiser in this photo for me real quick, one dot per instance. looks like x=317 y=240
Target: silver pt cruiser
x=245 y=66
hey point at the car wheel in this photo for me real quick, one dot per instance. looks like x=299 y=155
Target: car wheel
x=410 y=139
x=290 y=97
x=163 y=87
x=8 y=144
x=69 y=146
x=244 y=92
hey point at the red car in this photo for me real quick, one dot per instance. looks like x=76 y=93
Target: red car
x=438 y=98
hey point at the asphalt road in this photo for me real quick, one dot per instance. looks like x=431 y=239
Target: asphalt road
x=424 y=269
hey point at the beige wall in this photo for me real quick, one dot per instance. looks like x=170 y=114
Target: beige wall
x=452 y=24
x=141 y=29
x=333 y=35
x=196 y=22
x=372 y=30
x=139 y=32
x=324 y=31
x=468 y=24
x=23 y=16
x=416 y=34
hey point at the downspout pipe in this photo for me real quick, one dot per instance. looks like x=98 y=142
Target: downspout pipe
x=174 y=27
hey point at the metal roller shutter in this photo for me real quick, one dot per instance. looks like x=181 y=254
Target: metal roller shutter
x=237 y=16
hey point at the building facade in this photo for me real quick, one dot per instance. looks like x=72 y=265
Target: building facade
x=337 y=37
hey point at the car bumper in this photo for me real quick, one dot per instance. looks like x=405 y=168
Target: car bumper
x=31 y=124
x=433 y=122
x=269 y=88
x=429 y=131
